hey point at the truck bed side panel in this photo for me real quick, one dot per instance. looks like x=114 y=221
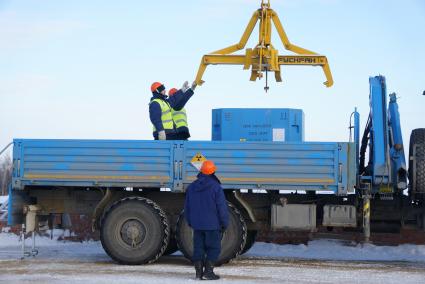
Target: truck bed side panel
x=93 y=163
x=241 y=165
x=272 y=165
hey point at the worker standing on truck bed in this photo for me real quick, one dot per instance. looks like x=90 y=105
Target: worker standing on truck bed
x=160 y=109
x=180 y=119
x=207 y=214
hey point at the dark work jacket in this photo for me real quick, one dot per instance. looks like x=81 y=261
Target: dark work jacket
x=205 y=207
x=177 y=102
x=182 y=133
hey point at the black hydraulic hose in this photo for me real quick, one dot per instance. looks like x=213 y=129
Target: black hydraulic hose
x=363 y=147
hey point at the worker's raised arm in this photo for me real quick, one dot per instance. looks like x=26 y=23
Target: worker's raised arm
x=180 y=98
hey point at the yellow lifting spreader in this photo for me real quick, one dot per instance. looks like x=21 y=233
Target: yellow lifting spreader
x=264 y=57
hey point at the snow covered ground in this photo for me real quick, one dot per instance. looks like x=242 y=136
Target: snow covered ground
x=321 y=261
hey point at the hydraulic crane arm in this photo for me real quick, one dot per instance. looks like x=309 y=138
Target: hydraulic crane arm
x=264 y=57
x=387 y=165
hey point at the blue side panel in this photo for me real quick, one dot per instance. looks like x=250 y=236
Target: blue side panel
x=379 y=131
x=93 y=163
x=273 y=165
x=249 y=165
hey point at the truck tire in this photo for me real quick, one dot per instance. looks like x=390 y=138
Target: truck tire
x=418 y=183
x=232 y=243
x=250 y=240
x=172 y=246
x=134 y=231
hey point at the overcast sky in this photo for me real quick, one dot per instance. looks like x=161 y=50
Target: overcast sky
x=83 y=69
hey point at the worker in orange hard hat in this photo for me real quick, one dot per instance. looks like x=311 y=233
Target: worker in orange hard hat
x=180 y=119
x=206 y=212
x=172 y=91
x=161 y=106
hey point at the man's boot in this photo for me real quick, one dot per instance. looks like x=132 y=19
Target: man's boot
x=198 y=269
x=209 y=271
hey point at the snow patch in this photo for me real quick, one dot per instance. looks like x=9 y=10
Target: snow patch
x=338 y=250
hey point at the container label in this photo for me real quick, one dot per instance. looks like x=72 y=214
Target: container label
x=279 y=134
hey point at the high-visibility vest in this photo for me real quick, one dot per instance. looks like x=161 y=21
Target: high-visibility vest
x=166 y=115
x=180 y=118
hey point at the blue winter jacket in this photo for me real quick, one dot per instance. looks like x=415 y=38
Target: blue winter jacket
x=206 y=207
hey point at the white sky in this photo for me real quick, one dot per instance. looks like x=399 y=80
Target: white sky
x=82 y=69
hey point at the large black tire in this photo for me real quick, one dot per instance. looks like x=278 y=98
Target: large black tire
x=232 y=243
x=417 y=180
x=250 y=240
x=134 y=231
x=172 y=246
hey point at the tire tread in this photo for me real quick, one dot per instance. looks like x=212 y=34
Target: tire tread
x=417 y=137
x=164 y=222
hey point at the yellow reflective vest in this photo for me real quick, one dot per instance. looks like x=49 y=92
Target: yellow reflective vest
x=166 y=115
x=179 y=118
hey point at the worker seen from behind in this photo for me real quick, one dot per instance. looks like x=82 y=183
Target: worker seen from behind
x=206 y=212
x=161 y=106
x=180 y=119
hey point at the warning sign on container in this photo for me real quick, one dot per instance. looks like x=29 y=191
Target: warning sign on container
x=197 y=161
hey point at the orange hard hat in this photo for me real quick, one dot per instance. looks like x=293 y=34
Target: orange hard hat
x=172 y=91
x=208 y=168
x=155 y=86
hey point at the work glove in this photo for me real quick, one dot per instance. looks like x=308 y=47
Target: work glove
x=193 y=85
x=161 y=135
x=185 y=86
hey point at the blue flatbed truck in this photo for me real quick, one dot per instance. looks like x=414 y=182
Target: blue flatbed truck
x=134 y=190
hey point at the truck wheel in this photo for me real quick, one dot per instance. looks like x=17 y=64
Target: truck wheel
x=134 y=230
x=250 y=240
x=172 y=246
x=417 y=137
x=232 y=243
